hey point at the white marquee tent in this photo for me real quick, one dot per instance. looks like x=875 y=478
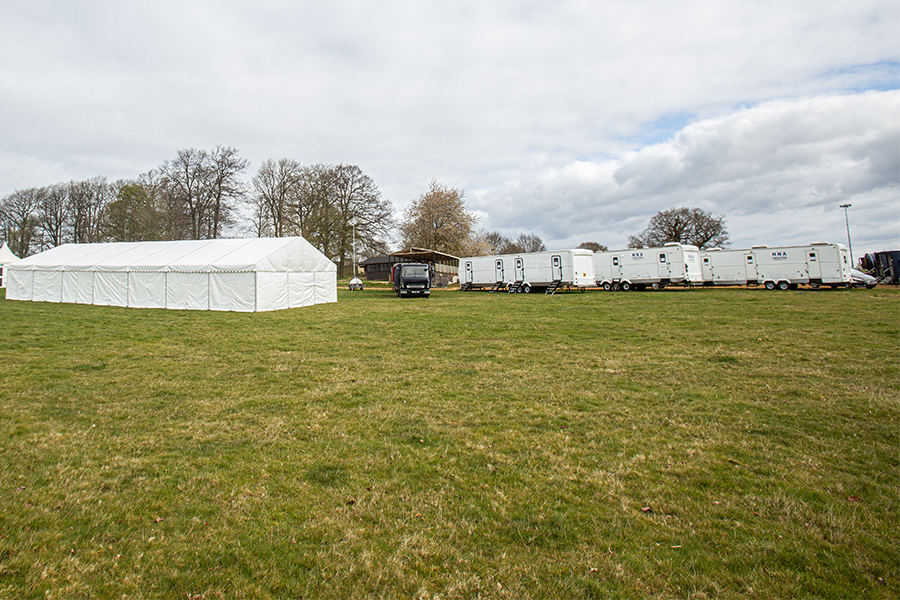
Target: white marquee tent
x=6 y=257
x=247 y=275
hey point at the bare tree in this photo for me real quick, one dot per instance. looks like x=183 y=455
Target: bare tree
x=526 y=242
x=277 y=189
x=496 y=242
x=683 y=225
x=18 y=212
x=359 y=211
x=88 y=201
x=312 y=214
x=226 y=188
x=186 y=179
x=438 y=219
x=324 y=204
x=530 y=242
x=593 y=246
x=53 y=216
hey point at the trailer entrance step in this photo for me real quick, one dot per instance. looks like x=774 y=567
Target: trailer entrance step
x=553 y=287
x=496 y=287
x=515 y=287
x=466 y=286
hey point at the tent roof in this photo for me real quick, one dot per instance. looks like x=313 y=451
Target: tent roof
x=6 y=255
x=257 y=254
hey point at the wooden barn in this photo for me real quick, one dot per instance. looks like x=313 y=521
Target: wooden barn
x=446 y=266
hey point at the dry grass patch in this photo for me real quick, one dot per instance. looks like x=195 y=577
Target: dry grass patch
x=708 y=443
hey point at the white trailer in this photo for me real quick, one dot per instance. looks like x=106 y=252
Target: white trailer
x=531 y=271
x=639 y=268
x=728 y=267
x=782 y=267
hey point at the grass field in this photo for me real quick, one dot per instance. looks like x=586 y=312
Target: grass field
x=679 y=444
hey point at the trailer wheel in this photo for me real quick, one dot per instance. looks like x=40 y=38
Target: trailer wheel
x=770 y=285
x=654 y=286
x=814 y=285
x=526 y=288
x=607 y=286
x=626 y=286
x=783 y=285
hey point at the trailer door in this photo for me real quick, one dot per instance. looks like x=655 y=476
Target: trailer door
x=468 y=274
x=813 y=267
x=520 y=270
x=616 y=270
x=557 y=268
x=498 y=270
x=663 y=266
x=752 y=273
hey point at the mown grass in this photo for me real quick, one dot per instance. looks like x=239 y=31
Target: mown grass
x=703 y=444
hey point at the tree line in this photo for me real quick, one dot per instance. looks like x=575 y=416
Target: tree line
x=204 y=194
x=200 y=194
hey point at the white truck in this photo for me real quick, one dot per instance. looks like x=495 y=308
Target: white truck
x=782 y=267
x=640 y=268
x=526 y=272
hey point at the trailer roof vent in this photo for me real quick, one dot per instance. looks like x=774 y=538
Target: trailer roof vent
x=671 y=244
x=713 y=249
x=820 y=244
x=759 y=246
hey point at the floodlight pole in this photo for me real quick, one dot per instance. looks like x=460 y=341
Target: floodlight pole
x=354 y=250
x=847 y=220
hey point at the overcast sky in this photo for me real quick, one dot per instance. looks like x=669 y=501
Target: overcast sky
x=575 y=120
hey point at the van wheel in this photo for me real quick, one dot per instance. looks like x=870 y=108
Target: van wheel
x=783 y=285
x=626 y=286
x=770 y=285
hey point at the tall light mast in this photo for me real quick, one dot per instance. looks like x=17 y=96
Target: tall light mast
x=849 y=244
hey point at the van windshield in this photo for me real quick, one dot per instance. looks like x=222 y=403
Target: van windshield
x=416 y=271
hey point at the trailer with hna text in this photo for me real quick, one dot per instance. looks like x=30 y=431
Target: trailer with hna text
x=782 y=267
x=654 y=268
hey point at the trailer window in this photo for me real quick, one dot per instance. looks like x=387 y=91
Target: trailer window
x=812 y=256
x=662 y=258
x=615 y=261
x=749 y=260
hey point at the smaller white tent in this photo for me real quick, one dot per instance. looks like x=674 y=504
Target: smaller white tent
x=6 y=257
x=247 y=275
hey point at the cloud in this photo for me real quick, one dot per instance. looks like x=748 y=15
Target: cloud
x=778 y=171
x=561 y=98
